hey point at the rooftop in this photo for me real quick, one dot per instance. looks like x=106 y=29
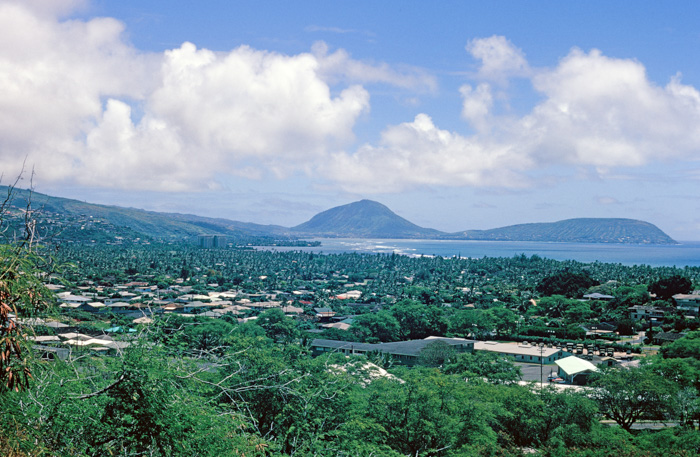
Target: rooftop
x=409 y=348
x=515 y=349
x=572 y=365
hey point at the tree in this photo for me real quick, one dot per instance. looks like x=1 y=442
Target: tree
x=505 y=320
x=626 y=395
x=568 y=283
x=686 y=347
x=277 y=326
x=381 y=326
x=427 y=413
x=555 y=306
x=665 y=288
x=207 y=336
x=568 y=415
x=436 y=354
x=418 y=321
x=476 y=323
x=21 y=293
x=137 y=416
x=490 y=365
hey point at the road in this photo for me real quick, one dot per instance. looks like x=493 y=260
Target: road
x=644 y=425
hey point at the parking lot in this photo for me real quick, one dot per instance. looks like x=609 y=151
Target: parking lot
x=531 y=372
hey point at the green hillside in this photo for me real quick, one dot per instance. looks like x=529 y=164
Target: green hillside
x=363 y=219
x=590 y=230
x=71 y=218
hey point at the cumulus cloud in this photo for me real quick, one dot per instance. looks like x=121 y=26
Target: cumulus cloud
x=245 y=112
x=605 y=112
x=51 y=8
x=597 y=114
x=477 y=104
x=249 y=104
x=84 y=106
x=419 y=154
x=500 y=59
x=54 y=75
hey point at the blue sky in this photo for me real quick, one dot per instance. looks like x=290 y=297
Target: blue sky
x=457 y=115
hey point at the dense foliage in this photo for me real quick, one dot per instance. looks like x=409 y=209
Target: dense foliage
x=199 y=386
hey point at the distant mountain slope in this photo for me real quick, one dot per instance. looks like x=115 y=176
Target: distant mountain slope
x=591 y=230
x=363 y=219
x=77 y=220
x=146 y=223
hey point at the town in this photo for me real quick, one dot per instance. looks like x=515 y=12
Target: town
x=258 y=331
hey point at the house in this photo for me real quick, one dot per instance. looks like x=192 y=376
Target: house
x=119 y=307
x=689 y=303
x=186 y=298
x=146 y=289
x=173 y=308
x=289 y=309
x=574 y=370
x=654 y=314
x=74 y=299
x=324 y=313
x=404 y=352
x=667 y=337
x=39 y=322
x=45 y=339
x=338 y=325
x=523 y=352
x=598 y=296
x=50 y=352
x=599 y=329
x=92 y=307
x=263 y=305
x=350 y=294
x=197 y=307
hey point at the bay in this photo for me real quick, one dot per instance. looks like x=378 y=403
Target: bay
x=680 y=255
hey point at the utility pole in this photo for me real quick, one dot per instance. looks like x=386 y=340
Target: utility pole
x=541 y=365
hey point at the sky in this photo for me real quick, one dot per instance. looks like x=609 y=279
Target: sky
x=455 y=114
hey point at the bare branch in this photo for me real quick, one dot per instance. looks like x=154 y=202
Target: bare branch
x=101 y=391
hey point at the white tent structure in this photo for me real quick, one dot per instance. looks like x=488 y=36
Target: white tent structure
x=572 y=367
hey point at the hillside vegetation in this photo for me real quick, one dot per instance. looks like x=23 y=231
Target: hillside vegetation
x=589 y=230
x=362 y=219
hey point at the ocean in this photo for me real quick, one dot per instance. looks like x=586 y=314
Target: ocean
x=680 y=255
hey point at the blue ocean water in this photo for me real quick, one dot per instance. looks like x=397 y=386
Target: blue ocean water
x=680 y=255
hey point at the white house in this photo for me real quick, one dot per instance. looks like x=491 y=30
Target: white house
x=689 y=303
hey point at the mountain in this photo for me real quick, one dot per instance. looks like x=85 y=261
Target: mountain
x=72 y=220
x=369 y=219
x=63 y=215
x=363 y=219
x=591 y=230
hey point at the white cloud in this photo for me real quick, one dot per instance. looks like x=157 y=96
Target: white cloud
x=607 y=200
x=605 y=112
x=245 y=112
x=597 y=113
x=420 y=154
x=86 y=107
x=477 y=104
x=339 y=66
x=253 y=105
x=51 y=8
x=500 y=60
